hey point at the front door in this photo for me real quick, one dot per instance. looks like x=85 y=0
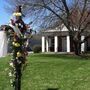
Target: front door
x=64 y=44
x=88 y=44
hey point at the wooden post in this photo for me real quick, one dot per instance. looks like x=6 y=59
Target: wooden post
x=18 y=65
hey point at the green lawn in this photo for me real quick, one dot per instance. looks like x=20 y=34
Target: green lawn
x=45 y=71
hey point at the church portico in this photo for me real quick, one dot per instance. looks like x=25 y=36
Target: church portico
x=60 y=41
x=55 y=43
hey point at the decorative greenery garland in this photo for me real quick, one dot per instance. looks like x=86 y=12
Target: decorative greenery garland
x=17 y=32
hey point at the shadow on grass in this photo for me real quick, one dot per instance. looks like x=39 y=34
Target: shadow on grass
x=65 y=56
x=52 y=89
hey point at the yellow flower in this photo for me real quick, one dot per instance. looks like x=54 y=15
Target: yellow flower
x=17 y=45
x=18 y=54
x=17 y=14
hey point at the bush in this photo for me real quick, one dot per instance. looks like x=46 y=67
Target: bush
x=37 y=49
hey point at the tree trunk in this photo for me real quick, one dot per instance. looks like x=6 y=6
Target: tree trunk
x=77 y=48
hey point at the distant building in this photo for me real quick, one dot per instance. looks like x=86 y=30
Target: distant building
x=58 y=40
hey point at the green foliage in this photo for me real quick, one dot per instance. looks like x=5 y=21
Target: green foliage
x=43 y=71
x=37 y=49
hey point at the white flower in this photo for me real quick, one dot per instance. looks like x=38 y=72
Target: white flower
x=11 y=81
x=11 y=85
x=11 y=64
x=10 y=74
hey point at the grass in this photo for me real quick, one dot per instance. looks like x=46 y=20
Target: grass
x=58 y=72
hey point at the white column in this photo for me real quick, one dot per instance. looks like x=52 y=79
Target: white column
x=47 y=44
x=83 y=44
x=68 y=43
x=43 y=44
x=56 y=44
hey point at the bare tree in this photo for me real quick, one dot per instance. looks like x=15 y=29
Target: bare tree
x=74 y=14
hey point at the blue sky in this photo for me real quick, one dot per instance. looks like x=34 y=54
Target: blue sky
x=4 y=16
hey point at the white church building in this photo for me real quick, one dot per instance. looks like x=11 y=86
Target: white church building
x=59 y=41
